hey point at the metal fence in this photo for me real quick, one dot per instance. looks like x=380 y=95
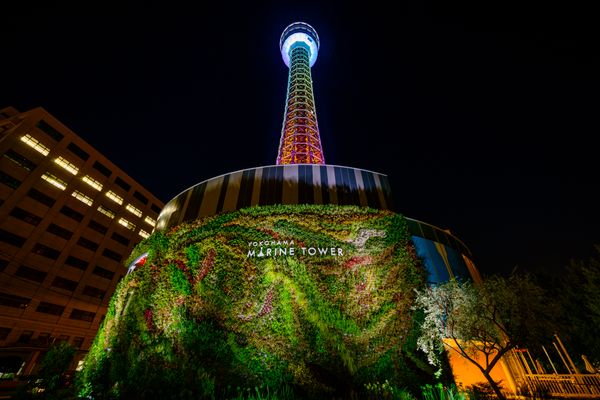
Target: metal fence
x=579 y=386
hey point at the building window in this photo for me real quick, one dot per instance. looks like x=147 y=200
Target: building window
x=76 y=263
x=45 y=251
x=94 y=292
x=155 y=208
x=87 y=244
x=114 y=197
x=78 y=342
x=9 y=180
x=69 y=212
x=143 y=233
x=26 y=216
x=113 y=255
x=108 y=212
x=31 y=274
x=4 y=332
x=140 y=197
x=35 y=144
x=92 y=182
x=122 y=184
x=78 y=151
x=126 y=224
x=25 y=337
x=50 y=131
x=20 y=160
x=150 y=221
x=50 y=308
x=62 y=338
x=68 y=166
x=11 y=238
x=41 y=197
x=103 y=272
x=134 y=210
x=59 y=231
x=97 y=226
x=82 y=315
x=43 y=338
x=82 y=197
x=102 y=169
x=54 y=181
x=3 y=264
x=11 y=300
x=120 y=239
x=63 y=283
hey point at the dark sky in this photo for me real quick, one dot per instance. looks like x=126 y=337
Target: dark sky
x=484 y=117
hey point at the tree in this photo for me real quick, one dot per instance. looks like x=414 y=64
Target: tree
x=578 y=292
x=482 y=322
x=51 y=376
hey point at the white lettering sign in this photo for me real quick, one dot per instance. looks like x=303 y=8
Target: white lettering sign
x=281 y=248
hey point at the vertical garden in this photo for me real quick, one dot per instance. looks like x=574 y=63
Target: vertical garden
x=284 y=301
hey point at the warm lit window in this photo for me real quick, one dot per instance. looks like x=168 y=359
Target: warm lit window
x=135 y=211
x=114 y=197
x=106 y=211
x=126 y=224
x=92 y=182
x=150 y=221
x=54 y=181
x=143 y=233
x=35 y=144
x=63 y=162
x=82 y=197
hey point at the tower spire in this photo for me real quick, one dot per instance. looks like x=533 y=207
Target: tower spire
x=300 y=142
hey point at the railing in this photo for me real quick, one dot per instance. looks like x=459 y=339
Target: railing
x=580 y=386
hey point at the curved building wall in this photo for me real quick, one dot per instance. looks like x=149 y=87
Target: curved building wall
x=278 y=184
x=444 y=256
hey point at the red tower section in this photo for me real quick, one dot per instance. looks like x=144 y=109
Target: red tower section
x=300 y=141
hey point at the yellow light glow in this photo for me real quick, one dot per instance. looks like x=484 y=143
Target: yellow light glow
x=63 y=162
x=143 y=233
x=114 y=197
x=54 y=181
x=82 y=197
x=126 y=223
x=134 y=210
x=109 y=213
x=150 y=221
x=92 y=182
x=35 y=144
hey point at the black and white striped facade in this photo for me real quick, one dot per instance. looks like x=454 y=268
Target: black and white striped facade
x=444 y=255
x=278 y=184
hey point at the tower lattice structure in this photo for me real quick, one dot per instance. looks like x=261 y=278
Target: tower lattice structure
x=300 y=141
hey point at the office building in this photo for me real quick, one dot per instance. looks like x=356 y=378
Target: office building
x=69 y=218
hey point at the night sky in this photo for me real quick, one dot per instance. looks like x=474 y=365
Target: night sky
x=484 y=117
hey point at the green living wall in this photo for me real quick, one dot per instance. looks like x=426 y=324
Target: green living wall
x=208 y=315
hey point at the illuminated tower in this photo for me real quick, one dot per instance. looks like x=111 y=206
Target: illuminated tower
x=300 y=142
x=301 y=265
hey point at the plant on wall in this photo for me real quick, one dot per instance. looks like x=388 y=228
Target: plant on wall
x=305 y=300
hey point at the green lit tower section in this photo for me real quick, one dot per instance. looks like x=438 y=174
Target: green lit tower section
x=300 y=142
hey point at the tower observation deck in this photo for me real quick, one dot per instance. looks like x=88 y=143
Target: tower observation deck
x=300 y=142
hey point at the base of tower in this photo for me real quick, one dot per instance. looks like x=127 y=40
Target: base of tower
x=295 y=301
x=278 y=184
